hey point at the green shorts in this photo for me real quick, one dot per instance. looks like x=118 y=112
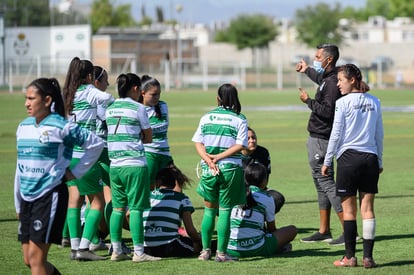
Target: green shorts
x=91 y=182
x=130 y=187
x=227 y=188
x=155 y=162
x=269 y=248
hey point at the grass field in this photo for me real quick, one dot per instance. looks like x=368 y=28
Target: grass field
x=280 y=121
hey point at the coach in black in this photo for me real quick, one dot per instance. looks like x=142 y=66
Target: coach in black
x=323 y=73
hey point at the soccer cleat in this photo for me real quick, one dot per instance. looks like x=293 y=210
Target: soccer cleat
x=99 y=246
x=205 y=255
x=369 y=262
x=87 y=255
x=318 y=237
x=339 y=241
x=65 y=242
x=119 y=257
x=223 y=257
x=345 y=262
x=125 y=249
x=73 y=254
x=144 y=258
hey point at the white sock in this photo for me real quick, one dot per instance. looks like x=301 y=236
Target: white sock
x=139 y=249
x=74 y=243
x=368 y=229
x=84 y=243
x=117 y=247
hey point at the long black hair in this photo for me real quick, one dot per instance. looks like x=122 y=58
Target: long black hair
x=125 y=82
x=50 y=87
x=149 y=82
x=228 y=98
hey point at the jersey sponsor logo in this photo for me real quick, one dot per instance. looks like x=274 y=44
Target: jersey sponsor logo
x=153 y=229
x=213 y=117
x=32 y=170
x=246 y=243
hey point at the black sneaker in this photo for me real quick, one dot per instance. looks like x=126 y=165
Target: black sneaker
x=339 y=241
x=318 y=237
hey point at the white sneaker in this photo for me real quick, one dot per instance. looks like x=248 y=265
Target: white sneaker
x=205 y=255
x=119 y=257
x=144 y=258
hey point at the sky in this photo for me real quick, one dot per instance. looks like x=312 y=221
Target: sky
x=207 y=11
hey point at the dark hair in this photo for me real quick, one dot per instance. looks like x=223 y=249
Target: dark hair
x=78 y=72
x=254 y=174
x=149 y=82
x=228 y=97
x=98 y=72
x=330 y=50
x=171 y=175
x=50 y=87
x=125 y=82
x=352 y=71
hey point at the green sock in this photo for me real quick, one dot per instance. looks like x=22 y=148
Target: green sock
x=74 y=222
x=136 y=225
x=207 y=226
x=107 y=212
x=65 y=231
x=223 y=229
x=115 y=225
x=91 y=223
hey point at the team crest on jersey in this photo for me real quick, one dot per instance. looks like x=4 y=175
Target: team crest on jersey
x=212 y=117
x=44 y=138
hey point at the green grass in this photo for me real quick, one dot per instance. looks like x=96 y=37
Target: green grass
x=284 y=134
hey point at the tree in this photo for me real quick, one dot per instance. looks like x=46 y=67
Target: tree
x=105 y=14
x=402 y=8
x=26 y=13
x=319 y=24
x=160 y=14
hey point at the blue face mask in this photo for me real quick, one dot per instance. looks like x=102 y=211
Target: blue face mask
x=317 y=65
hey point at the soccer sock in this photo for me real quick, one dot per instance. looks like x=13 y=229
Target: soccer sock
x=223 y=229
x=207 y=226
x=108 y=211
x=115 y=225
x=65 y=231
x=74 y=225
x=350 y=233
x=368 y=234
x=91 y=224
x=136 y=225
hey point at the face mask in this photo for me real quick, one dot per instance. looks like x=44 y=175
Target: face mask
x=317 y=65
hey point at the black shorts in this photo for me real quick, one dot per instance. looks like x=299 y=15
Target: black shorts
x=42 y=220
x=181 y=247
x=357 y=171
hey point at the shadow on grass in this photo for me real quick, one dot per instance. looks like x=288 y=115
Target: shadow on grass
x=397 y=263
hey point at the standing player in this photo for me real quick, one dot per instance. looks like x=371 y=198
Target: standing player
x=45 y=141
x=128 y=130
x=158 y=151
x=219 y=138
x=357 y=142
x=81 y=100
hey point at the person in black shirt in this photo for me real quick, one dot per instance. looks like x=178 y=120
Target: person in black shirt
x=255 y=153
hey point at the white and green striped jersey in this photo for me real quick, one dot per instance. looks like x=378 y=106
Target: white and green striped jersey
x=162 y=220
x=159 y=128
x=220 y=129
x=85 y=104
x=44 y=151
x=126 y=118
x=247 y=228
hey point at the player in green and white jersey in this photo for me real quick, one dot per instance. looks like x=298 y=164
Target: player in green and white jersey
x=219 y=139
x=128 y=130
x=169 y=208
x=158 y=151
x=81 y=101
x=253 y=228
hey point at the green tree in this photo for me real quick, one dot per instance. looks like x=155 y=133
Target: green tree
x=319 y=24
x=25 y=13
x=105 y=14
x=402 y=8
x=160 y=14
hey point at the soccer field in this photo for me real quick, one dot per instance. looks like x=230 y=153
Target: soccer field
x=280 y=120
